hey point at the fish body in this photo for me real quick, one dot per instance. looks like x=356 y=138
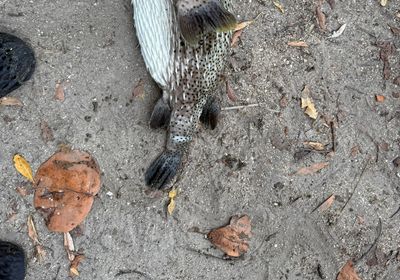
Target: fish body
x=184 y=44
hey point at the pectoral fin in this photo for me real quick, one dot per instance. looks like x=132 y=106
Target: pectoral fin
x=201 y=17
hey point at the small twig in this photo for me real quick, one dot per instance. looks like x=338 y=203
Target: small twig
x=133 y=271
x=395 y=213
x=248 y=106
x=356 y=185
x=373 y=245
x=333 y=134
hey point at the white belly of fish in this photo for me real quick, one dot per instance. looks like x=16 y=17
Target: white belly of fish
x=154 y=22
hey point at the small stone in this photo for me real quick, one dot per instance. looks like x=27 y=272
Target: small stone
x=396 y=162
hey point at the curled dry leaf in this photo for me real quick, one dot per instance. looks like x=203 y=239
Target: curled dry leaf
x=279 y=6
x=338 y=32
x=379 y=98
x=23 y=167
x=383 y=2
x=10 y=101
x=231 y=239
x=235 y=37
x=73 y=269
x=298 y=44
x=172 y=195
x=230 y=92
x=59 y=94
x=314 y=145
x=347 y=272
x=32 y=233
x=312 y=169
x=308 y=104
x=321 y=18
x=66 y=185
x=327 y=203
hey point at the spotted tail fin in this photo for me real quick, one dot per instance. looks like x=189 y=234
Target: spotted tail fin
x=201 y=17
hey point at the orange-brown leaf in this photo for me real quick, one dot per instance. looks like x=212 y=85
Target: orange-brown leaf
x=347 y=272
x=379 y=98
x=327 y=203
x=298 y=44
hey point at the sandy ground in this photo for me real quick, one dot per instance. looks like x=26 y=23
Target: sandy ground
x=91 y=46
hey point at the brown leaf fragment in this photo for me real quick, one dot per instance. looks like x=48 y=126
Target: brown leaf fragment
x=10 y=101
x=230 y=92
x=46 y=132
x=32 y=233
x=307 y=103
x=331 y=3
x=69 y=246
x=231 y=239
x=73 y=269
x=347 y=272
x=242 y=25
x=327 y=203
x=355 y=151
x=40 y=253
x=379 y=98
x=395 y=30
x=387 y=49
x=321 y=18
x=298 y=44
x=236 y=37
x=314 y=145
x=312 y=169
x=138 y=90
x=59 y=93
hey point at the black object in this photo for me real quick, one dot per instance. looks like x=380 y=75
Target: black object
x=163 y=170
x=17 y=63
x=12 y=261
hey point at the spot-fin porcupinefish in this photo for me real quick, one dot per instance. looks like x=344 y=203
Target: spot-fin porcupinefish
x=184 y=44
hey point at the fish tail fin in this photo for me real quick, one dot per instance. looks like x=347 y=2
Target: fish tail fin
x=163 y=170
x=161 y=114
x=197 y=19
x=210 y=115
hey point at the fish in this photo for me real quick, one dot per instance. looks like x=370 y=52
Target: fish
x=17 y=63
x=184 y=44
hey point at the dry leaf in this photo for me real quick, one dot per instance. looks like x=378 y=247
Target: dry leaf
x=172 y=195
x=235 y=37
x=59 y=94
x=314 y=145
x=383 y=2
x=242 y=25
x=73 y=269
x=354 y=151
x=230 y=92
x=380 y=98
x=46 y=132
x=66 y=185
x=10 y=101
x=321 y=18
x=338 y=32
x=69 y=246
x=347 y=272
x=307 y=103
x=231 y=238
x=279 y=6
x=23 y=167
x=40 y=253
x=138 y=90
x=32 y=231
x=327 y=203
x=298 y=44
x=312 y=169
